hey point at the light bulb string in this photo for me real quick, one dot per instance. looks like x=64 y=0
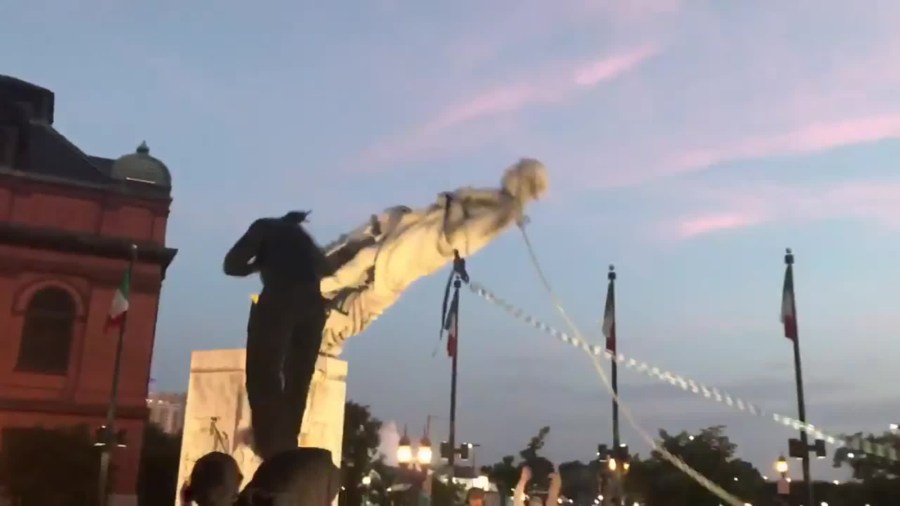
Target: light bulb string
x=676 y=461
x=858 y=444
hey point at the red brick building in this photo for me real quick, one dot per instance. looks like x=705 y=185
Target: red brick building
x=67 y=220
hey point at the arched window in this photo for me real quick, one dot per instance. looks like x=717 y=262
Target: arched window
x=47 y=334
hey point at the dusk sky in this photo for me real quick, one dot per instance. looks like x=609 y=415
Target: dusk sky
x=687 y=142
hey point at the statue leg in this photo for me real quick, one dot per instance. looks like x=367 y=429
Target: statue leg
x=300 y=364
x=268 y=337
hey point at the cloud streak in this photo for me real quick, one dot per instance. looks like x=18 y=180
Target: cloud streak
x=809 y=138
x=875 y=202
x=545 y=86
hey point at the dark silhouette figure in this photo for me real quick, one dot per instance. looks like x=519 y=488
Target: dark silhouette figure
x=299 y=477
x=215 y=481
x=284 y=332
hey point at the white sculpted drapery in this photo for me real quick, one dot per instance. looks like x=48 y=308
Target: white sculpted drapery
x=382 y=258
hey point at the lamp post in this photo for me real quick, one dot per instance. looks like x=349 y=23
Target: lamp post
x=418 y=460
x=783 y=486
x=615 y=464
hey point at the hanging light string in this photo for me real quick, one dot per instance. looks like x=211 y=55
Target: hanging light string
x=857 y=444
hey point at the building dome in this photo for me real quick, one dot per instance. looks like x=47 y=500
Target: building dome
x=140 y=166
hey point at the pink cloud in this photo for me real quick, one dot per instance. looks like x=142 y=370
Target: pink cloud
x=446 y=126
x=872 y=202
x=805 y=139
x=716 y=222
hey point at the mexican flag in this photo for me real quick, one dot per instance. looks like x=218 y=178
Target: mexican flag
x=789 y=305
x=119 y=307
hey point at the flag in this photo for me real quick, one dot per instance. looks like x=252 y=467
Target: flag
x=609 y=318
x=119 y=307
x=452 y=327
x=789 y=305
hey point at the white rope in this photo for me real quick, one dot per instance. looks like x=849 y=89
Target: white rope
x=856 y=444
x=589 y=350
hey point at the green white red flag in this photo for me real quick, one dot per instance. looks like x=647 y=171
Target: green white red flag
x=609 y=318
x=119 y=307
x=452 y=326
x=789 y=305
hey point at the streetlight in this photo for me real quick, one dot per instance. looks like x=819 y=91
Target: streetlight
x=424 y=453
x=784 y=484
x=781 y=466
x=404 y=450
x=417 y=460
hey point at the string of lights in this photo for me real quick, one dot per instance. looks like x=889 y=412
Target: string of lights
x=857 y=444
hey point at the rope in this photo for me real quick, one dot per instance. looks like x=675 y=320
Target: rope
x=856 y=444
x=589 y=350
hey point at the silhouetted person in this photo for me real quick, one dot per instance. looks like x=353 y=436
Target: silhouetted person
x=284 y=333
x=299 y=477
x=215 y=481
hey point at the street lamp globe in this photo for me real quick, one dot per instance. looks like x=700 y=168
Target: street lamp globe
x=781 y=465
x=612 y=464
x=424 y=453
x=404 y=451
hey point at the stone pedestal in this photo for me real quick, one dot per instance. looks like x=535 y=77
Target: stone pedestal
x=217 y=414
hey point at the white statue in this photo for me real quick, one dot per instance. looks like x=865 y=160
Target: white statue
x=382 y=258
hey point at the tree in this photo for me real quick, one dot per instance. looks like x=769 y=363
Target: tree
x=505 y=474
x=51 y=467
x=446 y=494
x=579 y=480
x=710 y=453
x=158 y=475
x=540 y=466
x=879 y=477
x=867 y=467
x=359 y=450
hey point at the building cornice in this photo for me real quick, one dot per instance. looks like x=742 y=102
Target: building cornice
x=13 y=234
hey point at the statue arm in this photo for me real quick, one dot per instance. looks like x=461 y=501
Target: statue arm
x=350 y=274
x=241 y=259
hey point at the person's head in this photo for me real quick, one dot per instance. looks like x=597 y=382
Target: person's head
x=215 y=481
x=475 y=497
x=298 y=477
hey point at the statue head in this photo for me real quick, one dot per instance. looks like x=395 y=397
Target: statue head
x=526 y=180
x=215 y=481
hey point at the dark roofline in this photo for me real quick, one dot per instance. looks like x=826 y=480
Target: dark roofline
x=88 y=244
x=130 y=189
x=37 y=95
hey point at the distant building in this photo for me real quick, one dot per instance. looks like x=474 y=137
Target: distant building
x=67 y=223
x=167 y=410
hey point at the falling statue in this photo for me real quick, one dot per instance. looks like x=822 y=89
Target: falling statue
x=378 y=261
x=314 y=300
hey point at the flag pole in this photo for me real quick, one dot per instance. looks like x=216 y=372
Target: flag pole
x=791 y=332
x=451 y=438
x=611 y=486
x=108 y=432
x=611 y=347
x=460 y=275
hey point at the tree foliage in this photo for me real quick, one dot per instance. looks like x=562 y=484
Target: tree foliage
x=359 y=450
x=50 y=466
x=158 y=475
x=878 y=478
x=711 y=453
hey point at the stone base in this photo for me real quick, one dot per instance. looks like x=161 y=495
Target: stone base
x=217 y=414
